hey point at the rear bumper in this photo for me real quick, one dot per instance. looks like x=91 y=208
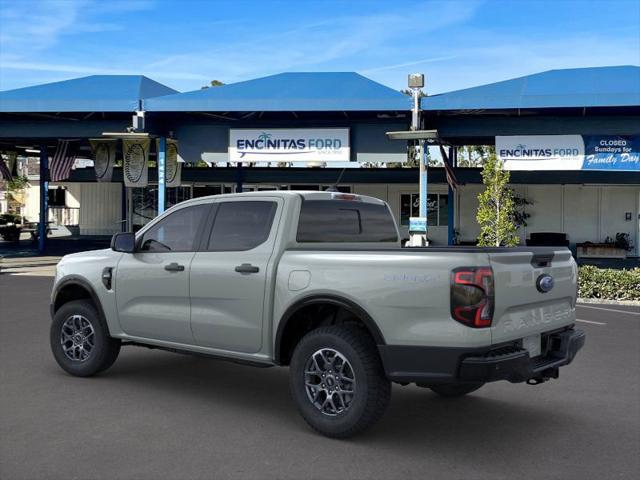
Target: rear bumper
x=427 y=365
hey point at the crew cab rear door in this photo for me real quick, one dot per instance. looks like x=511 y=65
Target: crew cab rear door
x=229 y=274
x=524 y=303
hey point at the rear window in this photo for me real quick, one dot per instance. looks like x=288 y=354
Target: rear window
x=345 y=221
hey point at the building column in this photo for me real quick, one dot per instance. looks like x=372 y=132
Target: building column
x=239 y=177
x=44 y=199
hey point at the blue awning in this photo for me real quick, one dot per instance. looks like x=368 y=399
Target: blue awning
x=288 y=92
x=96 y=93
x=577 y=87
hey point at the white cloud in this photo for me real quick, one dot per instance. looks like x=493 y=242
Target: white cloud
x=31 y=27
x=408 y=64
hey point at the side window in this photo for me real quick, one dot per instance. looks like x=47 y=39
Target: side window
x=241 y=225
x=177 y=232
x=345 y=221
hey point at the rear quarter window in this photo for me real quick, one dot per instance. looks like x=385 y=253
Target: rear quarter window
x=345 y=221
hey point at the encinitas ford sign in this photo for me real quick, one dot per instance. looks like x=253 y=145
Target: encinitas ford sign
x=569 y=152
x=289 y=145
x=541 y=152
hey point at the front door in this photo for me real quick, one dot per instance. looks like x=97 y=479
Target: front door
x=152 y=284
x=229 y=275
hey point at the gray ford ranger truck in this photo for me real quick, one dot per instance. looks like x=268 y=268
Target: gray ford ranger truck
x=318 y=281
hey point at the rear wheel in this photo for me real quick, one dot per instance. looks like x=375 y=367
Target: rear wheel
x=455 y=389
x=80 y=340
x=337 y=381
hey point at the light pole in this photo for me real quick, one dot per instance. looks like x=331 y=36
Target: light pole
x=418 y=225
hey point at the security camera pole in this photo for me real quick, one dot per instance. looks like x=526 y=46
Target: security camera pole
x=418 y=225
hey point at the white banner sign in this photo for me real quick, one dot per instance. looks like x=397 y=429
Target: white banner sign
x=173 y=165
x=541 y=152
x=104 y=156
x=289 y=145
x=136 y=162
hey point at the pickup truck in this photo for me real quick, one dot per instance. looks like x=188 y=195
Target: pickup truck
x=318 y=281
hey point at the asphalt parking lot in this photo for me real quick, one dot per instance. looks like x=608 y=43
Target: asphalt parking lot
x=161 y=415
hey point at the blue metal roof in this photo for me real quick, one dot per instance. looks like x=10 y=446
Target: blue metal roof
x=577 y=87
x=298 y=92
x=96 y=93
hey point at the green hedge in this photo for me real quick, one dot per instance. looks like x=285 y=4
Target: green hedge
x=608 y=284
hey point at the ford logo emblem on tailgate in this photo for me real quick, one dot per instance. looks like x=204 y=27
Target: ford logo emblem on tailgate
x=544 y=283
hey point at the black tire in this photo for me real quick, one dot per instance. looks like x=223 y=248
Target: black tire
x=104 y=351
x=371 y=394
x=455 y=389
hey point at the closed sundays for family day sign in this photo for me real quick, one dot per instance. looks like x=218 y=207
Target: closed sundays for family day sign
x=289 y=145
x=569 y=152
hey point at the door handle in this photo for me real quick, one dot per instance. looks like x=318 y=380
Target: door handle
x=174 y=267
x=247 y=268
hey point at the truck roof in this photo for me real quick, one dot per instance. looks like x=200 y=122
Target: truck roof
x=305 y=194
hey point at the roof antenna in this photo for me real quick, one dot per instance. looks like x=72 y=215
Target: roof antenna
x=334 y=187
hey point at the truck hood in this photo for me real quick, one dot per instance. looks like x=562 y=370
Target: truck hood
x=90 y=256
x=88 y=264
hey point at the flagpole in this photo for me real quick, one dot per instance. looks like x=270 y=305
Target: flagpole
x=450 y=198
x=44 y=199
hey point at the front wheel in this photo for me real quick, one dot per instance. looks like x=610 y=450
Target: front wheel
x=337 y=381
x=80 y=340
x=455 y=389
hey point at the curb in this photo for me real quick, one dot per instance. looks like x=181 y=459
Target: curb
x=602 y=301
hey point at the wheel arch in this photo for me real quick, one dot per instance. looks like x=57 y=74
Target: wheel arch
x=75 y=288
x=287 y=323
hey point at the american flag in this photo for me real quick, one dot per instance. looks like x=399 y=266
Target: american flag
x=62 y=160
x=451 y=175
x=5 y=172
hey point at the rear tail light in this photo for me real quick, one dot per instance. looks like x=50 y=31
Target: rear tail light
x=472 y=297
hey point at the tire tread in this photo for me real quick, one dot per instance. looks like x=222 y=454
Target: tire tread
x=379 y=393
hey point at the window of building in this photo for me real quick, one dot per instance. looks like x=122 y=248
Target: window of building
x=345 y=221
x=241 y=225
x=144 y=206
x=176 y=195
x=177 y=232
x=437 y=211
x=205 y=190
x=57 y=197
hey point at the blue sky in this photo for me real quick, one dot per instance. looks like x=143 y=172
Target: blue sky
x=184 y=44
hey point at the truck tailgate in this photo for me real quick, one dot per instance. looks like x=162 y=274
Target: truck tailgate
x=521 y=308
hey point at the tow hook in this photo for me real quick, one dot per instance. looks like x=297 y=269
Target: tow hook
x=544 y=376
x=537 y=380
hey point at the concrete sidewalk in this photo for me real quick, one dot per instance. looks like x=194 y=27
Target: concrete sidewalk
x=40 y=266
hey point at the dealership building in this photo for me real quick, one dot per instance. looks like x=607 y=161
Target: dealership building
x=570 y=137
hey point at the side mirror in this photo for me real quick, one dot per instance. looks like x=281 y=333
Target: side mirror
x=124 y=242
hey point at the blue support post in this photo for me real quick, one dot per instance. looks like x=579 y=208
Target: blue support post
x=450 y=201
x=162 y=180
x=423 y=179
x=44 y=200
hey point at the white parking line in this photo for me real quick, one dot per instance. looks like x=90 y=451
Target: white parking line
x=628 y=312
x=590 y=321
